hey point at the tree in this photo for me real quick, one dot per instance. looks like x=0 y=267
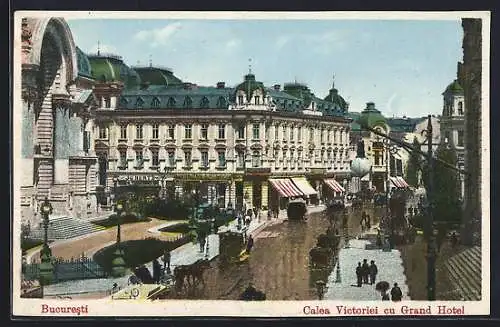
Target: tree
x=445 y=189
x=413 y=165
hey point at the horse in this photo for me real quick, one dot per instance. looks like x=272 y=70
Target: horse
x=196 y=271
x=180 y=274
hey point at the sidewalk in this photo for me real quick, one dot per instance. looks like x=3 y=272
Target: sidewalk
x=389 y=264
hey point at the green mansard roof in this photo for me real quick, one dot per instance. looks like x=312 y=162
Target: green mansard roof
x=110 y=68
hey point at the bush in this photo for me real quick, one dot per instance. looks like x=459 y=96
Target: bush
x=137 y=252
x=125 y=219
x=168 y=210
x=182 y=228
x=29 y=243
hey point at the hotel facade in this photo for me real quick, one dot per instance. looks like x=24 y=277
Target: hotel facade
x=247 y=146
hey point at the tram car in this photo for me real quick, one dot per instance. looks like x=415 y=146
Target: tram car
x=296 y=209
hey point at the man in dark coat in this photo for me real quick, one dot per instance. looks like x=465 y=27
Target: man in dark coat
x=373 y=272
x=396 y=294
x=156 y=271
x=365 y=271
x=359 y=275
x=249 y=244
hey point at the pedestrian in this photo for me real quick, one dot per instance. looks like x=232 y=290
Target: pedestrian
x=373 y=272
x=396 y=293
x=368 y=222
x=269 y=214
x=454 y=240
x=385 y=296
x=365 y=271
x=249 y=244
x=359 y=274
x=166 y=261
x=156 y=271
x=379 y=239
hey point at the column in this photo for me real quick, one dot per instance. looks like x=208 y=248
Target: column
x=265 y=194
x=61 y=144
x=248 y=194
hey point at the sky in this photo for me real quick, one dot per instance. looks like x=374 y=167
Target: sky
x=403 y=66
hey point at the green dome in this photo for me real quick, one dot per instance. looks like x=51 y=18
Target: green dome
x=110 y=68
x=454 y=88
x=300 y=91
x=371 y=117
x=157 y=76
x=84 y=67
x=250 y=85
x=335 y=98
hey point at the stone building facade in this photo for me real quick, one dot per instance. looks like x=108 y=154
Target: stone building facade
x=470 y=79
x=244 y=146
x=56 y=110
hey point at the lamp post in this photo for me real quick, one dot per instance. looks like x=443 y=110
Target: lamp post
x=118 y=264
x=46 y=267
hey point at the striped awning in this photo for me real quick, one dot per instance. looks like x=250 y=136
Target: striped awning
x=304 y=186
x=334 y=185
x=285 y=187
x=398 y=182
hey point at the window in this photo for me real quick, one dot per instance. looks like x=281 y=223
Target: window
x=460 y=108
x=299 y=157
x=299 y=133
x=171 y=129
x=187 y=158
x=155 y=131
x=257 y=100
x=284 y=133
x=221 y=103
x=328 y=136
x=171 y=158
x=460 y=141
x=188 y=131
x=241 y=159
x=155 y=161
x=204 y=103
x=377 y=158
x=123 y=102
x=138 y=131
x=335 y=136
x=341 y=136
x=222 y=158
x=447 y=138
x=204 y=131
x=107 y=102
x=276 y=129
x=204 y=159
x=291 y=134
x=256 y=158
x=123 y=158
x=222 y=131
x=155 y=103
x=256 y=131
x=240 y=100
x=241 y=132
x=322 y=135
x=139 y=160
x=123 y=131
x=188 y=102
x=103 y=132
x=139 y=103
x=311 y=135
x=171 y=102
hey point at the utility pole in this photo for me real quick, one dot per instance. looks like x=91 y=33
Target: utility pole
x=431 y=244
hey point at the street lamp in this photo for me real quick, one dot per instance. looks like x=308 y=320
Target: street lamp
x=46 y=267
x=118 y=263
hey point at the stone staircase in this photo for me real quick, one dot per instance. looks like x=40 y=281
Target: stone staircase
x=464 y=270
x=63 y=227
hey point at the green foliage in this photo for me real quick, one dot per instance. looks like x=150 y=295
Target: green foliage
x=413 y=167
x=445 y=189
x=137 y=252
x=168 y=210
x=182 y=228
x=124 y=219
x=28 y=243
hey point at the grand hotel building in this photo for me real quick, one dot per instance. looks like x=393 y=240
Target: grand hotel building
x=249 y=144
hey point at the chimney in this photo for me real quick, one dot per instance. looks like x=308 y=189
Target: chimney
x=277 y=87
x=221 y=85
x=370 y=105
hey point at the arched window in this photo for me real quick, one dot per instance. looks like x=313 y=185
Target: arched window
x=204 y=103
x=171 y=102
x=139 y=103
x=188 y=102
x=221 y=103
x=155 y=103
x=460 y=108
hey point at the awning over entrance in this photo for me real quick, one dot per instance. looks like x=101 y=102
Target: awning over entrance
x=399 y=182
x=285 y=187
x=304 y=186
x=334 y=185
